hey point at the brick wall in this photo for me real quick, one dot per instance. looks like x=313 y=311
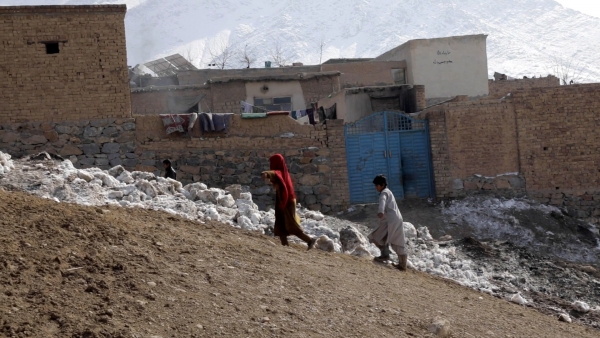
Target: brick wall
x=226 y=96
x=440 y=155
x=87 y=79
x=559 y=148
x=482 y=138
x=546 y=135
x=502 y=87
x=320 y=87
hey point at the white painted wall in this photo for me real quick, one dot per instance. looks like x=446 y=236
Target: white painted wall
x=277 y=89
x=447 y=67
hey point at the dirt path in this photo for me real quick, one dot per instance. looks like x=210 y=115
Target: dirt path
x=75 y=271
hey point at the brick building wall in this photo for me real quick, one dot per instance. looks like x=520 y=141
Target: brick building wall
x=87 y=78
x=502 y=87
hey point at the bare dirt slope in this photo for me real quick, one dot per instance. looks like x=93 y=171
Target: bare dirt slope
x=75 y=271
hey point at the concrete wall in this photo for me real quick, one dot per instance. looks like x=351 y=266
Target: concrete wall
x=291 y=89
x=447 y=67
x=88 y=78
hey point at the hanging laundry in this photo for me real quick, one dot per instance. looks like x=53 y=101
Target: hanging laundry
x=278 y=113
x=321 y=114
x=206 y=122
x=221 y=121
x=246 y=107
x=175 y=122
x=311 y=116
x=301 y=113
x=331 y=113
x=294 y=115
x=253 y=115
x=193 y=119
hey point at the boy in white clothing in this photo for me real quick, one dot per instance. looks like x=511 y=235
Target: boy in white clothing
x=390 y=230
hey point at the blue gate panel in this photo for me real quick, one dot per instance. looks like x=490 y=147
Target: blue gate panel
x=415 y=163
x=365 y=157
x=394 y=175
x=393 y=144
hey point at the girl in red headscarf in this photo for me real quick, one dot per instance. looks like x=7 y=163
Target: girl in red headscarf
x=287 y=221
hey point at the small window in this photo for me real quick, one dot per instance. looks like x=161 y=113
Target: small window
x=281 y=100
x=398 y=75
x=52 y=47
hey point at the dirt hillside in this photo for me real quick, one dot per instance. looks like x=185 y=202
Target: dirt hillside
x=74 y=271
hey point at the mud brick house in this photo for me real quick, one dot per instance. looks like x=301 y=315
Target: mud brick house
x=59 y=62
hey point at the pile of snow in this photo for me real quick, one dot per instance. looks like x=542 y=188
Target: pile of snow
x=490 y=217
x=6 y=164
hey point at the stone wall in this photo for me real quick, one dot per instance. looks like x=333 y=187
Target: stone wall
x=101 y=143
x=500 y=88
x=315 y=157
x=87 y=78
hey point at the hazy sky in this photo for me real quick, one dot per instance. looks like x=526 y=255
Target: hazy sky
x=589 y=7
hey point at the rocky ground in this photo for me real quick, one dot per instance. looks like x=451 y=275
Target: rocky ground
x=82 y=271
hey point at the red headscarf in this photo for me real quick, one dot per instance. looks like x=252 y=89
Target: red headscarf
x=277 y=164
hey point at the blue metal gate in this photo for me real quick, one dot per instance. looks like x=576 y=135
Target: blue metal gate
x=393 y=144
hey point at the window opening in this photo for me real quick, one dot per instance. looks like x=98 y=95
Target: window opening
x=274 y=104
x=52 y=48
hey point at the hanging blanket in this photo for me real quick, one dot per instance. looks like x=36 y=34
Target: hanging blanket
x=206 y=122
x=221 y=121
x=278 y=113
x=253 y=115
x=178 y=122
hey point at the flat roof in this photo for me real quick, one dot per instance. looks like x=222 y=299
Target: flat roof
x=279 y=77
x=7 y=10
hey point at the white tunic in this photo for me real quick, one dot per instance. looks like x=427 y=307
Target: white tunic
x=390 y=230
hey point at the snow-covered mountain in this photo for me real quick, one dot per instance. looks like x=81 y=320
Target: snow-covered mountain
x=526 y=37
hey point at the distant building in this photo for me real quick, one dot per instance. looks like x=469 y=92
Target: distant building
x=447 y=67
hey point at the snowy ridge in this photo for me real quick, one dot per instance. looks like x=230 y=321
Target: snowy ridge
x=525 y=36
